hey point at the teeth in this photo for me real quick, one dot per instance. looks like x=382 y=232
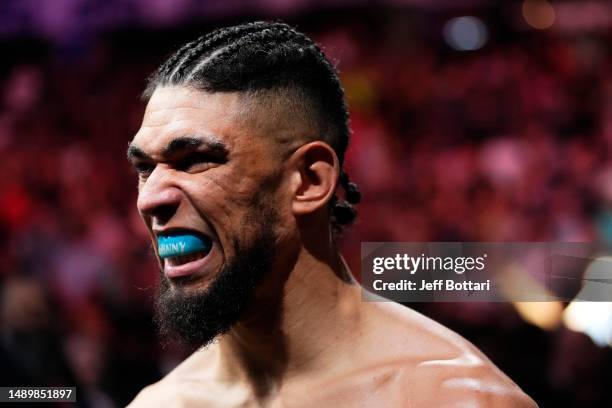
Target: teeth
x=183 y=259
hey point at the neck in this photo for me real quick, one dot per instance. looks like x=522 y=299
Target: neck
x=295 y=328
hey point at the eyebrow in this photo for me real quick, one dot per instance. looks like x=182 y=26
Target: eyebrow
x=182 y=144
x=134 y=152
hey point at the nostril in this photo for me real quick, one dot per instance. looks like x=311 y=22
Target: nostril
x=163 y=213
x=158 y=200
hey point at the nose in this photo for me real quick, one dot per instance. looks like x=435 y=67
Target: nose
x=158 y=198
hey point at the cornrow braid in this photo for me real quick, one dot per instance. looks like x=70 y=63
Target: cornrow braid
x=266 y=41
x=353 y=195
x=171 y=64
x=261 y=56
x=211 y=41
x=205 y=42
x=186 y=60
x=343 y=211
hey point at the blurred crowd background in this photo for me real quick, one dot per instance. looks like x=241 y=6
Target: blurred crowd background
x=472 y=121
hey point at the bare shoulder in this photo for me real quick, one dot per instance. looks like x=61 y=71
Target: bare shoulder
x=158 y=394
x=177 y=388
x=434 y=365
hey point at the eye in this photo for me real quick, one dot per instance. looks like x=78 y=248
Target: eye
x=144 y=169
x=196 y=162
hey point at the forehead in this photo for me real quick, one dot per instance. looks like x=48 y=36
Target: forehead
x=180 y=111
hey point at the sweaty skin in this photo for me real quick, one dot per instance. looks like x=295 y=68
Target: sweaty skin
x=307 y=340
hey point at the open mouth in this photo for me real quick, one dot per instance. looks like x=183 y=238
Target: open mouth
x=182 y=251
x=183 y=259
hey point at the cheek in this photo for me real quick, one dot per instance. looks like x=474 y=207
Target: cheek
x=222 y=196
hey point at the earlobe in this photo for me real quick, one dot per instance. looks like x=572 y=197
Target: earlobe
x=316 y=176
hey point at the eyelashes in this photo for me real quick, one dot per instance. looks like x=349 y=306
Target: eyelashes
x=194 y=162
x=197 y=161
x=144 y=168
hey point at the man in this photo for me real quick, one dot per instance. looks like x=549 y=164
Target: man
x=240 y=158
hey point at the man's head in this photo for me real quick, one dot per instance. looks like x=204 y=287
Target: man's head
x=241 y=148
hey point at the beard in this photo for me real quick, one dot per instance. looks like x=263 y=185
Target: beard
x=196 y=318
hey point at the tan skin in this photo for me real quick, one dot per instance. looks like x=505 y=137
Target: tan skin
x=308 y=339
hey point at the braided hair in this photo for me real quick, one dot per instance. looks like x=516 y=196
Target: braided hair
x=261 y=56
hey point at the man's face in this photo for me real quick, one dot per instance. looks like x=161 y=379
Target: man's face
x=205 y=172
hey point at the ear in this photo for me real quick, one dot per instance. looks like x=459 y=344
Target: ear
x=315 y=169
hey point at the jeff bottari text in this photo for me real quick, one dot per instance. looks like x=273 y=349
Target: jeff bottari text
x=435 y=285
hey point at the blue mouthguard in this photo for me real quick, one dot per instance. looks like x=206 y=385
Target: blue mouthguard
x=184 y=244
